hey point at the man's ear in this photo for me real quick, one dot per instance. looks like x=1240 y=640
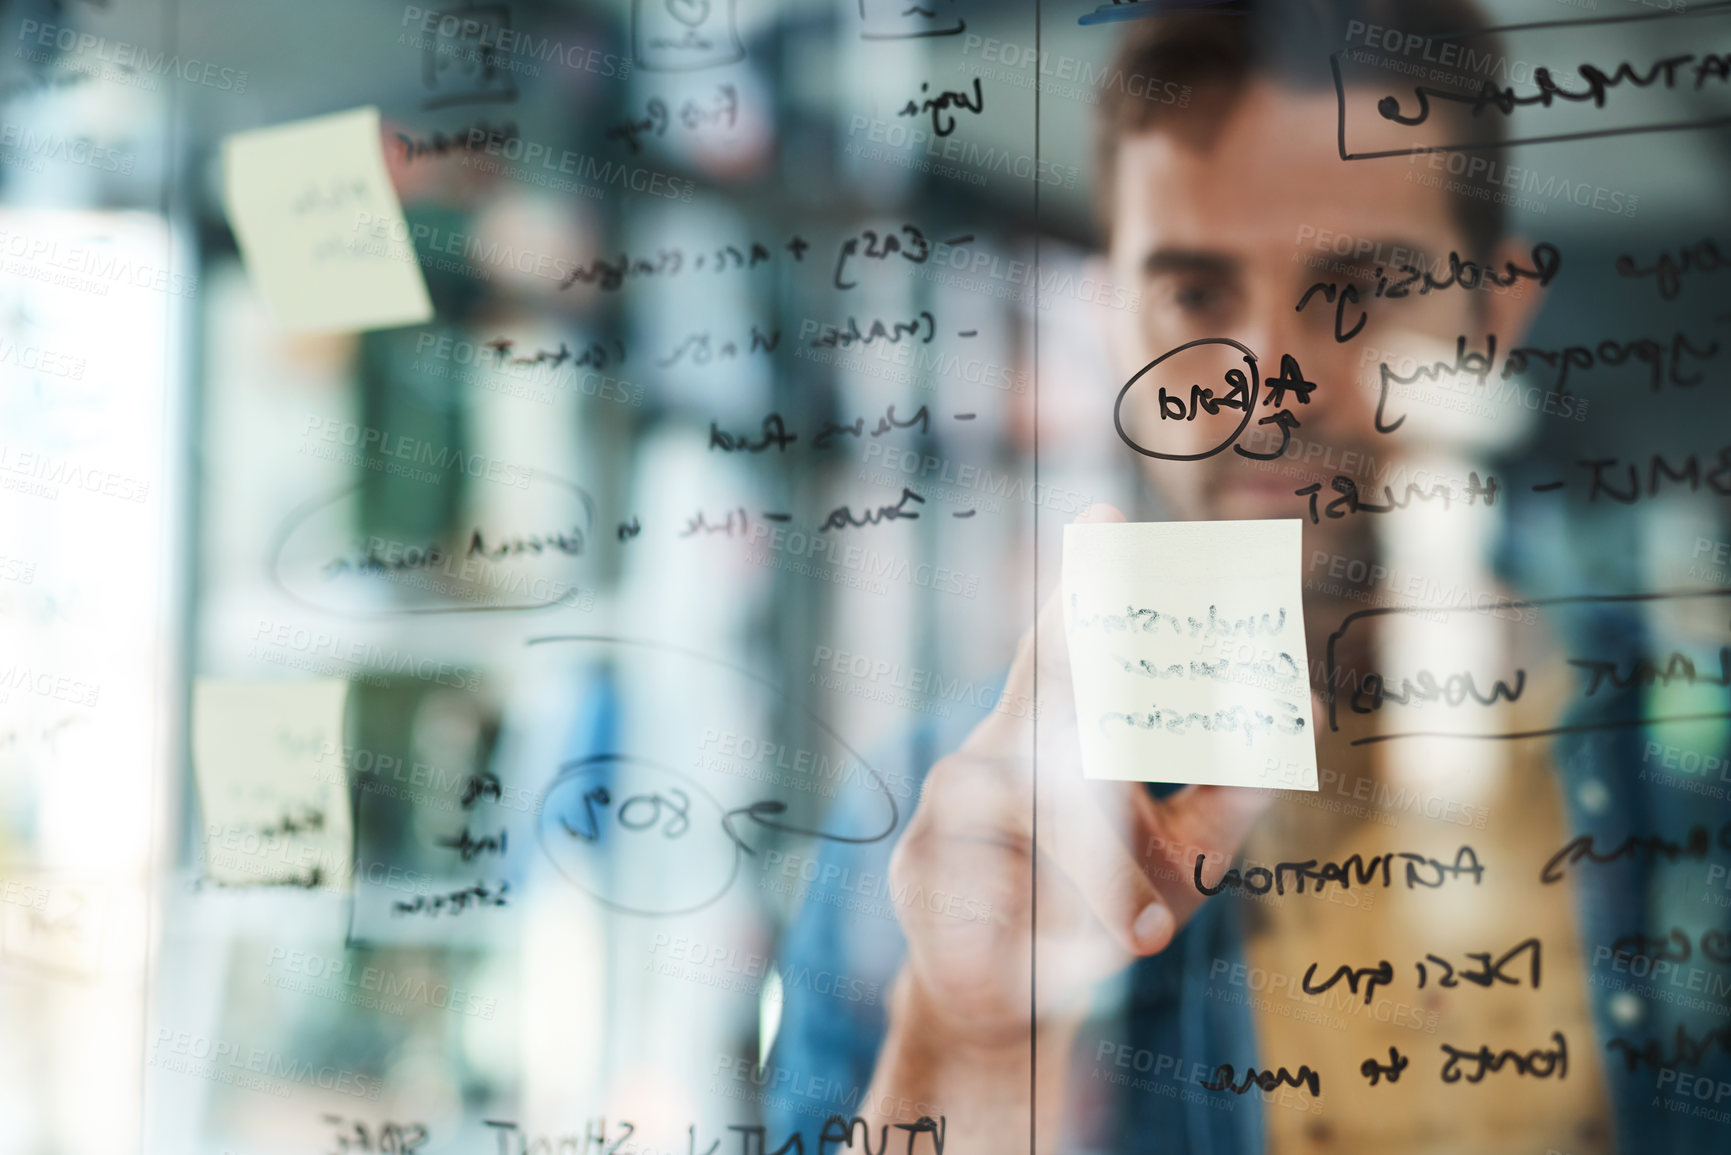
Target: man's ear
x=1509 y=313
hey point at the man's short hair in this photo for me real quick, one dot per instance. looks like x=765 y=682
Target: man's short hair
x=1217 y=52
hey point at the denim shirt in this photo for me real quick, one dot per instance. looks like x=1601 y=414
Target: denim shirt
x=1161 y=1008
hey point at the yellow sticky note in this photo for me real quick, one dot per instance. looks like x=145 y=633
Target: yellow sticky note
x=1187 y=652
x=320 y=227
x=269 y=762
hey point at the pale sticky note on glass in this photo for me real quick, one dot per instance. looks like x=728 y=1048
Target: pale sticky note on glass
x=269 y=761
x=1187 y=652
x=320 y=227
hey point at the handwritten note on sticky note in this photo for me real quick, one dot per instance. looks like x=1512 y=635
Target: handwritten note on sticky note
x=320 y=227
x=1187 y=652
x=269 y=762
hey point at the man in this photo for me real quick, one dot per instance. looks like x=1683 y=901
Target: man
x=1101 y=1003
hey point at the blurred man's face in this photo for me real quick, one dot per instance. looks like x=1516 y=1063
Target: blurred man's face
x=1215 y=233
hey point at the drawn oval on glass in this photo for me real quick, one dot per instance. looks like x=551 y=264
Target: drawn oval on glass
x=1194 y=402
x=605 y=811
x=614 y=799
x=527 y=557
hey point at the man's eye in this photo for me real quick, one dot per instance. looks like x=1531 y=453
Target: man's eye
x=1199 y=298
x=1196 y=297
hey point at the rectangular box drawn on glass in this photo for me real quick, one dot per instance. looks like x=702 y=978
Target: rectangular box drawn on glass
x=1454 y=62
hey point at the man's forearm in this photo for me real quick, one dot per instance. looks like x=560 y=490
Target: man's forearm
x=992 y=1097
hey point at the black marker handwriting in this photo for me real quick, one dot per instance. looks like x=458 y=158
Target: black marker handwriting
x=395 y=1138
x=595 y=356
x=1148 y=620
x=477 y=137
x=1644 y=671
x=1373 y=691
x=1353 y=871
x=838 y=1131
x=1263 y=1080
x=1546 y=261
x=696 y=346
x=1703 y=255
x=699 y=524
x=1231 y=720
x=1665 y=365
x=834 y=337
x=469 y=847
x=1284 y=668
x=775 y=434
x=1380 y=975
x=1601 y=484
x=1538 y=1063
x=570 y=544
x=945 y=100
x=886 y=424
x=1375 y=1071
x=1349 y=501
x=609 y=276
x=1696 y=845
x=843 y=518
x=310 y=820
x=908 y=241
x=1241 y=395
x=483 y=785
x=1711 y=65
x=1687 y=1052
x=1489 y=972
x=1674 y=946
x=723 y=112
x=456 y=901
